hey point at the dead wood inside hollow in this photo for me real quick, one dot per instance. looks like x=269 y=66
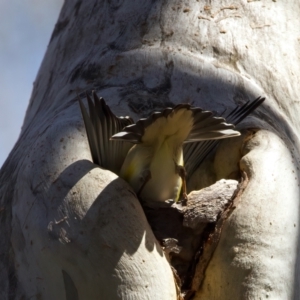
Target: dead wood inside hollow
x=189 y=234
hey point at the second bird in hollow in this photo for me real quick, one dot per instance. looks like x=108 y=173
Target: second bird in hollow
x=150 y=153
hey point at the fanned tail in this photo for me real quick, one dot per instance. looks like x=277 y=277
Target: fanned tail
x=195 y=153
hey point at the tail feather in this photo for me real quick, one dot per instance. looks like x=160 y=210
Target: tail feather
x=195 y=153
x=102 y=126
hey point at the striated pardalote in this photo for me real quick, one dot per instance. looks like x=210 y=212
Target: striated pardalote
x=150 y=153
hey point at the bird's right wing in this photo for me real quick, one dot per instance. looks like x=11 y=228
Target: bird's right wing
x=195 y=153
x=100 y=125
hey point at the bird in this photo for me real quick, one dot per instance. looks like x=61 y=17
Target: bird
x=151 y=154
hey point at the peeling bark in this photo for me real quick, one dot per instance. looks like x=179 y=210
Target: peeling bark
x=70 y=229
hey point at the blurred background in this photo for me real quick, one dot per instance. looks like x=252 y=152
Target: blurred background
x=25 y=30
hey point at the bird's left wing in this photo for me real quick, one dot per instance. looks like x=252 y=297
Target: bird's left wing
x=101 y=124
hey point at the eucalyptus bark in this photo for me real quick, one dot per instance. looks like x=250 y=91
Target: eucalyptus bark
x=71 y=230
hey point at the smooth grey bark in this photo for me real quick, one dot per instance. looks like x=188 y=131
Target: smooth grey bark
x=70 y=228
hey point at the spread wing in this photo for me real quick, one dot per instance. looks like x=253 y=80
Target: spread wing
x=195 y=153
x=198 y=129
x=100 y=125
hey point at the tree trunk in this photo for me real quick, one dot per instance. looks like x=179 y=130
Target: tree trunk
x=71 y=230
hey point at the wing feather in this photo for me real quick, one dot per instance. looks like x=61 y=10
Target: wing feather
x=100 y=125
x=195 y=153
